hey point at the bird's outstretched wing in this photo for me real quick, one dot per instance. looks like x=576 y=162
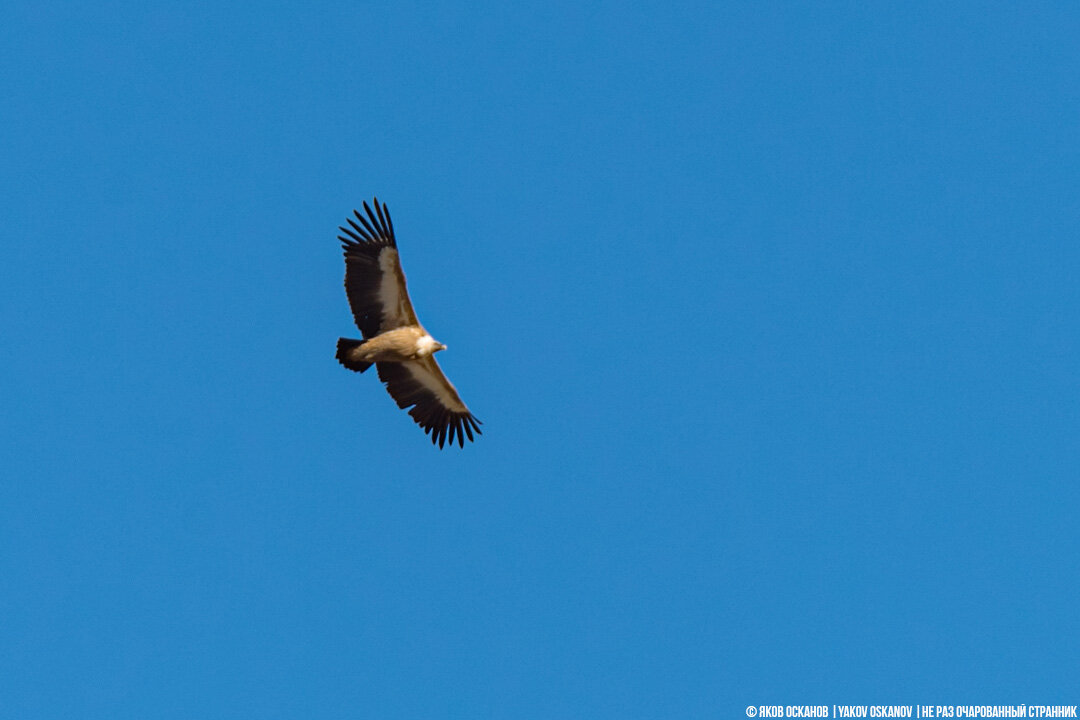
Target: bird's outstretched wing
x=374 y=281
x=436 y=406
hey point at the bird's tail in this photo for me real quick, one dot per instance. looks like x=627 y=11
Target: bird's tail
x=345 y=348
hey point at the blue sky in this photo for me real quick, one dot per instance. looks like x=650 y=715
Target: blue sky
x=769 y=310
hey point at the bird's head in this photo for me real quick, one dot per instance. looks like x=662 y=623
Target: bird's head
x=428 y=345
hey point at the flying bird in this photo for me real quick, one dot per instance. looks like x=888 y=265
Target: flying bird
x=394 y=340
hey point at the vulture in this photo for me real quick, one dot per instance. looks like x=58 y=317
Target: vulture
x=393 y=339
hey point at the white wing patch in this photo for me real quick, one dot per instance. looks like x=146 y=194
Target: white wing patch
x=437 y=384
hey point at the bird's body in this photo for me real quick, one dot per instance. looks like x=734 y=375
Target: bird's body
x=394 y=341
x=397 y=345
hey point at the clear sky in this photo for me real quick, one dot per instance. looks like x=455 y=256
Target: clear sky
x=769 y=310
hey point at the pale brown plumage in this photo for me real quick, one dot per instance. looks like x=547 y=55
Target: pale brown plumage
x=394 y=340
